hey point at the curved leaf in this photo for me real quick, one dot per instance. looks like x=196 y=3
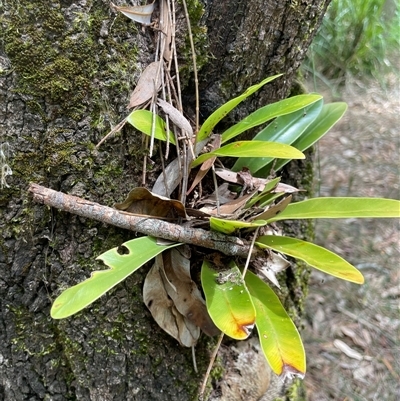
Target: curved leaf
x=252 y=149
x=222 y=111
x=330 y=114
x=141 y=201
x=230 y=226
x=141 y=14
x=341 y=208
x=314 y=255
x=228 y=301
x=284 y=129
x=75 y=298
x=142 y=120
x=280 y=341
x=266 y=113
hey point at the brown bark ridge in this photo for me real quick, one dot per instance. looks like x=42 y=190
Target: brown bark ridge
x=66 y=71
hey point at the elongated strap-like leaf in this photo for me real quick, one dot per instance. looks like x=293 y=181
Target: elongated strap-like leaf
x=279 y=338
x=228 y=301
x=341 y=208
x=252 y=149
x=267 y=113
x=75 y=298
x=330 y=114
x=230 y=226
x=284 y=129
x=314 y=255
x=222 y=111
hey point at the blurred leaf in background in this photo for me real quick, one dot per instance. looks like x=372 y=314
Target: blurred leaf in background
x=357 y=37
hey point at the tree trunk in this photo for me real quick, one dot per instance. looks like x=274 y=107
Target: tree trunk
x=66 y=71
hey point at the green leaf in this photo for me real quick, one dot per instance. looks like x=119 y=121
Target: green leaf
x=279 y=339
x=142 y=120
x=74 y=299
x=230 y=226
x=265 y=193
x=252 y=149
x=329 y=116
x=341 y=208
x=222 y=111
x=314 y=255
x=266 y=113
x=284 y=129
x=228 y=301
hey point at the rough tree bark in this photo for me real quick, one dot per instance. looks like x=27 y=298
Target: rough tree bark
x=66 y=71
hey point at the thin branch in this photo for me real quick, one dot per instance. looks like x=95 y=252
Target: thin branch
x=196 y=80
x=149 y=226
x=210 y=365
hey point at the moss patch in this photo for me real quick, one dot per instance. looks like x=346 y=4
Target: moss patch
x=63 y=56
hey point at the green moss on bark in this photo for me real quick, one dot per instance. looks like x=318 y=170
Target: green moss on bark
x=64 y=57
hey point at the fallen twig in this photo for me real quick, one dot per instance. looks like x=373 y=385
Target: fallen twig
x=228 y=245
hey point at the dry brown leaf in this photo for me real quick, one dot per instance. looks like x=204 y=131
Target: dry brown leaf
x=245 y=178
x=176 y=116
x=183 y=290
x=167 y=181
x=166 y=28
x=273 y=210
x=274 y=264
x=141 y=201
x=141 y=14
x=205 y=167
x=231 y=207
x=147 y=86
x=164 y=311
x=285 y=188
x=350 y=352
x=225 y=195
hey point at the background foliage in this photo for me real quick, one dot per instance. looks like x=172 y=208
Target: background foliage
x=356 y=37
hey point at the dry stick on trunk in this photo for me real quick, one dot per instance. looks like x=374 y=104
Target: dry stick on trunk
x=228 y=245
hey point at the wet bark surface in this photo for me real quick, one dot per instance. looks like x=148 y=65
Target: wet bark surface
x=66 y=71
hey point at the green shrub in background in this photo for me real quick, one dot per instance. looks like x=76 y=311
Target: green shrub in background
x=357 y=37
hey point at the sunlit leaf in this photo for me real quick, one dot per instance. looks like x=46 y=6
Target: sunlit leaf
x=279 y=338
x=75 y=298
x=142 y=120
x=252 y=149
x=222 y=111
x=228 y=301
x=267 y=113
x=230 y=226
x=284 y=129
x=341 y=208
x=330 y=114
x=314 y=255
